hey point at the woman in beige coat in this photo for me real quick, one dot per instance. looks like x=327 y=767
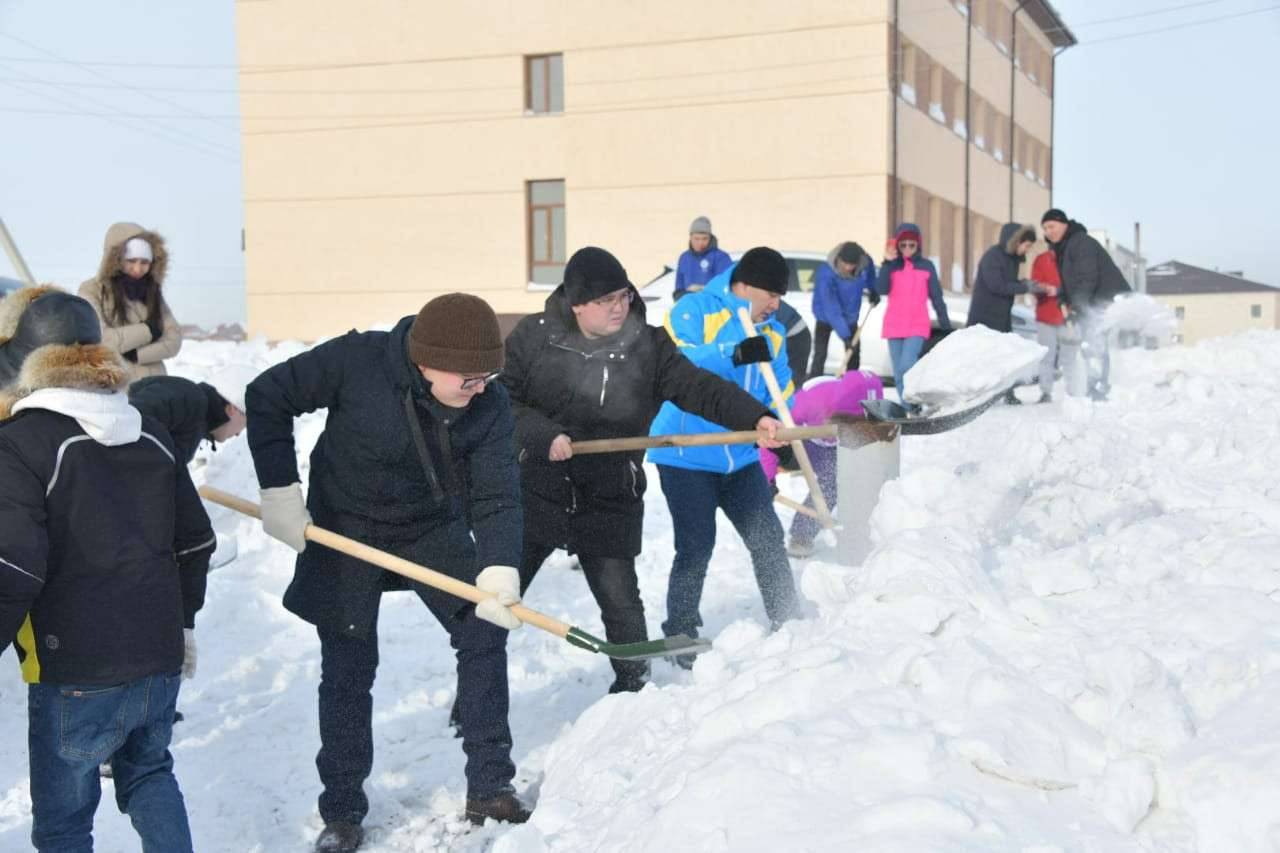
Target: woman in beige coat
x=126 y=293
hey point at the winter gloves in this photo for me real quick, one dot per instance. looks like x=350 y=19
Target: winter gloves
x=285 y=516
x=188 y=653
x=752 y=350
x=872 y=296
x=504 y=583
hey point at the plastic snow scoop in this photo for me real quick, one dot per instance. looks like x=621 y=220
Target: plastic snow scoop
x=677 y=645
x=647 y=442
x=887 y=411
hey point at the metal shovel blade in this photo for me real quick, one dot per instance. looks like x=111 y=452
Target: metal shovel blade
x=677 y=645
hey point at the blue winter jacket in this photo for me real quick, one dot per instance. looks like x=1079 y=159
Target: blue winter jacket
x=706 y=328
x=837 y=301
x=702 y=267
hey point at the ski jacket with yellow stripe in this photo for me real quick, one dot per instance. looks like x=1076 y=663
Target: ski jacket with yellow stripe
x=706 y=328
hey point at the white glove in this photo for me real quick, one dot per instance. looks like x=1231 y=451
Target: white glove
x=285 y=516
x=188 y=653
x=504 y=583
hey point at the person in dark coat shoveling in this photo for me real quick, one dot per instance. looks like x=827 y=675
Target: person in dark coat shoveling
x=589 y=367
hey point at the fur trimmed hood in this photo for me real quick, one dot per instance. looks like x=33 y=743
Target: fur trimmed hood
x=13 y=306
x=1014 y=233
x=113 y=250
x=91 y=367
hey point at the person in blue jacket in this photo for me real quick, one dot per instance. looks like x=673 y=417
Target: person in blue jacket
x=837 y=302
x=699 y=480
x=702 y=261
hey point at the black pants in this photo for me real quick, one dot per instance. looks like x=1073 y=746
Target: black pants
x=798 y=346
x=347 y=668
x=821 y=337
x=613 y=583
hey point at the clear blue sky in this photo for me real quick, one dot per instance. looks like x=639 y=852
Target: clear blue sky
x=1174 y=129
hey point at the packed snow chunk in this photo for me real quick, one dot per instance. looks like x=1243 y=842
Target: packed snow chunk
x=1124 y=793
x=1059 y=572
x=1143 y=315
x=971 y=365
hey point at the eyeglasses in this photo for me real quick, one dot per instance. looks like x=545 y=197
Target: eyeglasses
x=479 y=381
x=907 y=244
x=622 y=297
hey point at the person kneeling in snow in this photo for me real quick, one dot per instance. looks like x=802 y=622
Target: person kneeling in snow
x=415 y=459
x=104 y=550
x=821 y=399
x=697 y=481
x=590 y=367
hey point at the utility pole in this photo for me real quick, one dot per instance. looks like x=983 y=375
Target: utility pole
x=1139 y=268
x=15 y=257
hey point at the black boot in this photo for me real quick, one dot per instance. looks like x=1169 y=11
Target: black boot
x=1011 y=399
x=340 y=837
x=504 y=808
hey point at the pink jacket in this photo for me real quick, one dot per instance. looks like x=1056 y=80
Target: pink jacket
x=907 y=315
x=823 y=397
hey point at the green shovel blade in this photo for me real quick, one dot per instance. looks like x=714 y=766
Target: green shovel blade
x=677 y=645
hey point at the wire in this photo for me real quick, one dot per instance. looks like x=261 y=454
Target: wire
x=1188 y=24
x=1166 y=10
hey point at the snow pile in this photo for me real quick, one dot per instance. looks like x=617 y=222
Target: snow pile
x=1140 y=313
x=971 y=364
x=1066 y=638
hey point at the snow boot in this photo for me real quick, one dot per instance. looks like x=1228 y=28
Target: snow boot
x=629 y=684
x=800 y=548
x=1011 y=399
x=1045 y=397
x=504 y=808
x=339 y=837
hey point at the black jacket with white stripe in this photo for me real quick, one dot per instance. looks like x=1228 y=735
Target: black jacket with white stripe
x=104 y=546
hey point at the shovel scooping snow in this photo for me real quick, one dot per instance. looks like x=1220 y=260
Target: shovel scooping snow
x=971 y=365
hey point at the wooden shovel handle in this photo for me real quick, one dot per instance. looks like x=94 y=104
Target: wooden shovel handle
x=780 y=404
x=391 y=562
x=648 y=442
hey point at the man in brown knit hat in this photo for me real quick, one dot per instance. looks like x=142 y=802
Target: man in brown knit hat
x=416 y=458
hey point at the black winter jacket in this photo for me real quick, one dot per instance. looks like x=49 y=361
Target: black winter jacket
x=103 y=551
x=189 y=410
x=1089 y=275
x=369 y=481
x=561 y=382
x=997 y=281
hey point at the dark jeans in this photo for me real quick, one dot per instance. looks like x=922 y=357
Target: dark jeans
x=72 y=729
x=613 y=583
x=745 y=497
x=798 y=346
x=803 y=527
x=821 y=338
x=347 y=669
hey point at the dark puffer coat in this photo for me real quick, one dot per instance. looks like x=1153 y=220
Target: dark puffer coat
x=997 y=282
x=370 y=481
x=1090 y=277
x=561 y=382
x=189 y=410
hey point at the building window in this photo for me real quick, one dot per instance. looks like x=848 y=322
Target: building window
x=1255 y=311
x=544 y=83
x=546 y=232
x=1179 y=312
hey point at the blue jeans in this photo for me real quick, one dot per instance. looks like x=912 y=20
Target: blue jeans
x=745 y=497
x=347 y=669
x=72 y=729
x=904 y=353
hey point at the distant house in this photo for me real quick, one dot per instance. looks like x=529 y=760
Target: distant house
x=1210 y=304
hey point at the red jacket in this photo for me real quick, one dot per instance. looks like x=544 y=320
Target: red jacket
x=1045 y=271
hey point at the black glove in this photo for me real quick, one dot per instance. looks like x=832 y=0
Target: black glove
x=786 y=458
x=873 y=297
x=131 y=355
x=751 y=351
x=156 y=325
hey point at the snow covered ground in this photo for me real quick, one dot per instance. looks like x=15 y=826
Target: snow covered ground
x=1067 y=639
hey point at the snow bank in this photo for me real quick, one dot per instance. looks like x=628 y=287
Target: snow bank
x=971 y=364
x=1067 y=637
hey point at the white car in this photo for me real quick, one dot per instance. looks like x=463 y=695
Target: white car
x=658 y=295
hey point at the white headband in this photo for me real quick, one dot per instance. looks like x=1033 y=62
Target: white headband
x=137 y=249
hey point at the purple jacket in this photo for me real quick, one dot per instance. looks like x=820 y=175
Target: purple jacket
x=822 y=398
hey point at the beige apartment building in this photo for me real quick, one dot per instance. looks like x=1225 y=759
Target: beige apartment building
x=1210 y=304
x=394 y=151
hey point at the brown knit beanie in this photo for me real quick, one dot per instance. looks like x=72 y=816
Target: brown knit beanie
x=457 y=332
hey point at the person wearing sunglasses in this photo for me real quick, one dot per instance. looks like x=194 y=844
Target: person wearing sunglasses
x=589 y=366
x=415 y=459
x=911 y=284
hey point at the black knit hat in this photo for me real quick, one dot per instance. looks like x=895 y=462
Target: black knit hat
x=764 y=268
x=55 y=318
x=457 y=332
x=591 y=273
x=1054 y=215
